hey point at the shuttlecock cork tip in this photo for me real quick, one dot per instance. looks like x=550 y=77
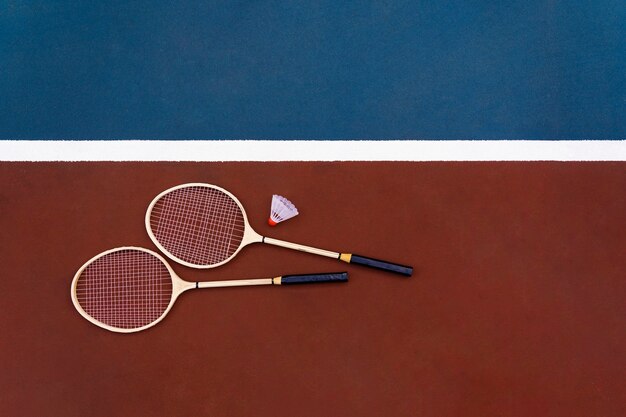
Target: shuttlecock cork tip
x=271 y=222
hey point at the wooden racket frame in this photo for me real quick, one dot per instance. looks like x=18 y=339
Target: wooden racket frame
x=179 y=286
x=249 y=236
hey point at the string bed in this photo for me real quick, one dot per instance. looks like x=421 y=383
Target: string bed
x=125 y=289
x=200 y=225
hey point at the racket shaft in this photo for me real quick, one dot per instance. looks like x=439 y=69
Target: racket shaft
x=234 y=283
x=302 y=248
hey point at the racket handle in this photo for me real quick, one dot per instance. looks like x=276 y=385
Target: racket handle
x=377 y=264
x=311 y=278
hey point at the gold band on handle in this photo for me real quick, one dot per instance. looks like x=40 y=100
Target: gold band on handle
x=346 y=257
x=277 y=280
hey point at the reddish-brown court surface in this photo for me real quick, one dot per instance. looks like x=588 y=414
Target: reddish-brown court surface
x=517 y=306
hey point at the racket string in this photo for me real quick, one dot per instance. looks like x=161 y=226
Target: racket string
x=200 y=225
x=125 y=289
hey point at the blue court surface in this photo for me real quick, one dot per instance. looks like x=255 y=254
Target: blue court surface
x=313 y=70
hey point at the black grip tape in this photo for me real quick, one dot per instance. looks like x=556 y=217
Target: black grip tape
x=384 y=265
x=311 y=278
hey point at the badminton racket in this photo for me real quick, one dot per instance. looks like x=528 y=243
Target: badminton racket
x=204 y=226
x=129 y=289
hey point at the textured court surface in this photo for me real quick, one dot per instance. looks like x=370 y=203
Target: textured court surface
x=516 y=306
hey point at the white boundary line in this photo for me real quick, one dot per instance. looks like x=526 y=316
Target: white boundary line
x=305 y=150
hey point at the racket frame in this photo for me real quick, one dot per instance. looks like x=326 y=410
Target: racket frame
x=249 y=235
x=179 y=286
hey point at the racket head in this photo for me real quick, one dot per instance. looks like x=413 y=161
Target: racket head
x=126 y=289
x=199 y=225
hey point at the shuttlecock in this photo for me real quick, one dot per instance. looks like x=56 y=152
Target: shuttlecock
x=282 y=209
